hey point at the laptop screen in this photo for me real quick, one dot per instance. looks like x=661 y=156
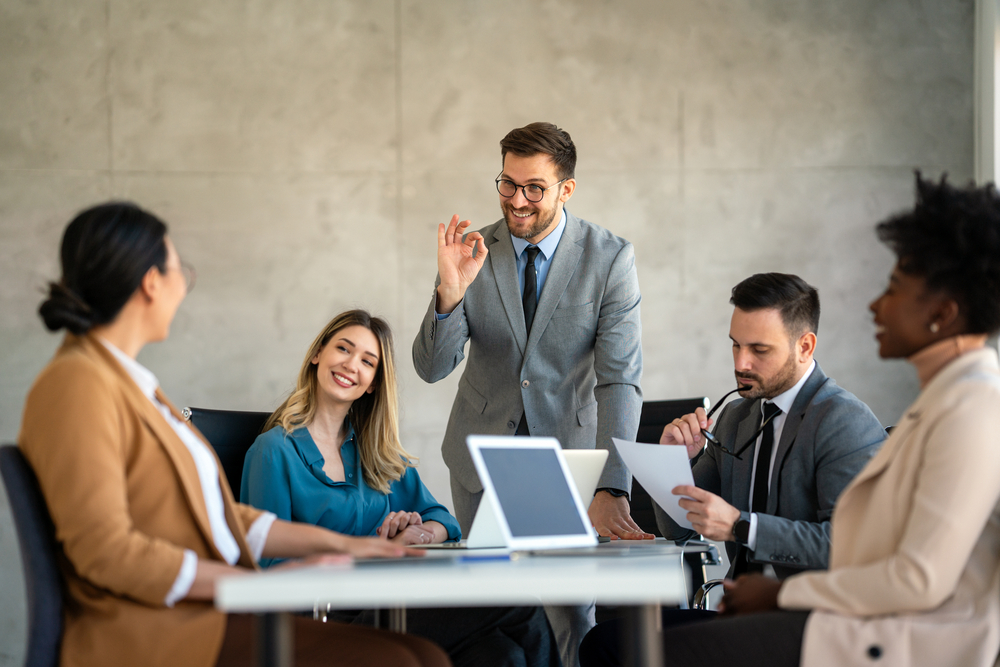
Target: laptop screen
x=527 y=479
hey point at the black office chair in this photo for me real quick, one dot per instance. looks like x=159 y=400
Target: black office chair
x=36 y=537
x=230 y=432
x=655 y=415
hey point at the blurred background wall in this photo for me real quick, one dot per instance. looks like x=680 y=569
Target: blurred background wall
x=304 y=151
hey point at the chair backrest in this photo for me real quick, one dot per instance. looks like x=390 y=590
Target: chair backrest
x=36 y=537
x=655 y=415
x=230 y=432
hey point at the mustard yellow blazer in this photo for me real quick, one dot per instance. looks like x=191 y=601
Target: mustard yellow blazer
x=124 y=495
x=914 y=574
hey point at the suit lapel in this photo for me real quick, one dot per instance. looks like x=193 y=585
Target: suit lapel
x=504 y=263
x=564 y=263
x=743 y=468
x=790 y=429
x=228 y=501
x=181 y=458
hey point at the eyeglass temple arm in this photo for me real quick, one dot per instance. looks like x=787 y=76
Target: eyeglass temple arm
x=721 y=401
x=754 y=438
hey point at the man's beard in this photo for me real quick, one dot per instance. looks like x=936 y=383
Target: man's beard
x=543 y=219
x=781 y=382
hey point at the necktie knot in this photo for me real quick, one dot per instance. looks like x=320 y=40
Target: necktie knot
x=531 y=252
x=771 y=410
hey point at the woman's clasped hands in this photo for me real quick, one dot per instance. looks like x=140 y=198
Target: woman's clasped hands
x=405 y=528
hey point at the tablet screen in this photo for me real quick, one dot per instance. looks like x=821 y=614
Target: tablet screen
x=532 y=491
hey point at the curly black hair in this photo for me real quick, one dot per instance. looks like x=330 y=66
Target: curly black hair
x=951 y=239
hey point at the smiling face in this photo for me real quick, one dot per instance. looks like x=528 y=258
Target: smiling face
x=765 y=357
x=533 y=221
x=904 y=314
x=347 y=365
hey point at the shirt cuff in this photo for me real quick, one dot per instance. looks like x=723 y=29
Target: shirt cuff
x=257 y=535
x=438 y=316
x=752 y=535
x=185 y=579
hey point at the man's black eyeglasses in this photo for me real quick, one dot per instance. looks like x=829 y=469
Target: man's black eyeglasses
x=715 y=441
x=532 y=192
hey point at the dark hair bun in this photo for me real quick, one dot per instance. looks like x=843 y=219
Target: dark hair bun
x=65 y=310
x=105 y=252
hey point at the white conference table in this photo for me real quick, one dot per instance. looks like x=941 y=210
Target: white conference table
x=649 y=574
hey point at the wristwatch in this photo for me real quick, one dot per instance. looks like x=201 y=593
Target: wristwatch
x=617 y=493
x=741 y=531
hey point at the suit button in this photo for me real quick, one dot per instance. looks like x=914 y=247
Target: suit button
x=525 y=383
x=511 y=424
x=874 y=651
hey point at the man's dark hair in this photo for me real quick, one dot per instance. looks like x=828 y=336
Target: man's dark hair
x=951 y=239
x=542 y=138
x=797 y=300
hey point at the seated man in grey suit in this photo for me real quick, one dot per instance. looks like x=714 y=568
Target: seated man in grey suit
x=800 y=439
x=818 y=439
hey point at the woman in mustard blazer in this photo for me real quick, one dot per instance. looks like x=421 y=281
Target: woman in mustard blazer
x=914 y=575
x=145 y=521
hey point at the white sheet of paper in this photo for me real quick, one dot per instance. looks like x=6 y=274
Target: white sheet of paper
x=659 y=468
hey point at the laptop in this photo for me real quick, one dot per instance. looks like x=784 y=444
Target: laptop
x=586 y=466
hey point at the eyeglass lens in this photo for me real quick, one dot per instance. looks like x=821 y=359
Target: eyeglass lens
x=532 y=192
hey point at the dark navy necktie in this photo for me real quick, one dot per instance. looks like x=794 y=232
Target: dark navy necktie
x=760 y=483
x=529 y=299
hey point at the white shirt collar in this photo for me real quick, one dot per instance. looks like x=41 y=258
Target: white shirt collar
x=142 y=376
x=547 y=245
x=786 y=399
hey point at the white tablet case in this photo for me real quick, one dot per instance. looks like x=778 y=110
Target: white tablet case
x=490 y=528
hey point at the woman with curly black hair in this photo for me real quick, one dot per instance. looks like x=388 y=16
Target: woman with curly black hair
x=914 y=574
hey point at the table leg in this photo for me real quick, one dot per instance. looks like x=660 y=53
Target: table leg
x=641 y=636
x=275 y=640
x=397 y=620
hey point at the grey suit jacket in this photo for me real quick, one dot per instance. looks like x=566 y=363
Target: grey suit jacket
x=576 y=377
x=828 y=437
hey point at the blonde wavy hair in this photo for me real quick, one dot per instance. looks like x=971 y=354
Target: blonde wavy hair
x=375 y=416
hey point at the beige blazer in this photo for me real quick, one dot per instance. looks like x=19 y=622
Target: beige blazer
x=124 y=496
x=914 y=574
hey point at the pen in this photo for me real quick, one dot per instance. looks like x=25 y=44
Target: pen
x=469 y=559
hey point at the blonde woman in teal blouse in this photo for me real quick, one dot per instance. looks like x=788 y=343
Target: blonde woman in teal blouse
x=331 y=456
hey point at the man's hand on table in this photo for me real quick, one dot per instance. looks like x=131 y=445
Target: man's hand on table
x=611 y=518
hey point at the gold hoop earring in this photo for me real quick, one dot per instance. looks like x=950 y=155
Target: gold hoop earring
x=934 y=327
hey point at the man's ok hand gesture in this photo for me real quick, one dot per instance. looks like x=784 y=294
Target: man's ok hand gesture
x=456 y=264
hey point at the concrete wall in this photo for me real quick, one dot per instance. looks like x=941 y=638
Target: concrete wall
x=303 y=152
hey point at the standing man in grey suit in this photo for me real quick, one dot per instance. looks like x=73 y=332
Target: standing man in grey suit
x=805 y=438
x=549 y=305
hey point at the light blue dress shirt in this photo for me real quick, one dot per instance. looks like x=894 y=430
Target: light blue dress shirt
x=543 y=261
x=283 y=474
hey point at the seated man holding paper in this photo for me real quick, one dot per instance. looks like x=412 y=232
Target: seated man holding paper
x=793 y=427
x=803 y=439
